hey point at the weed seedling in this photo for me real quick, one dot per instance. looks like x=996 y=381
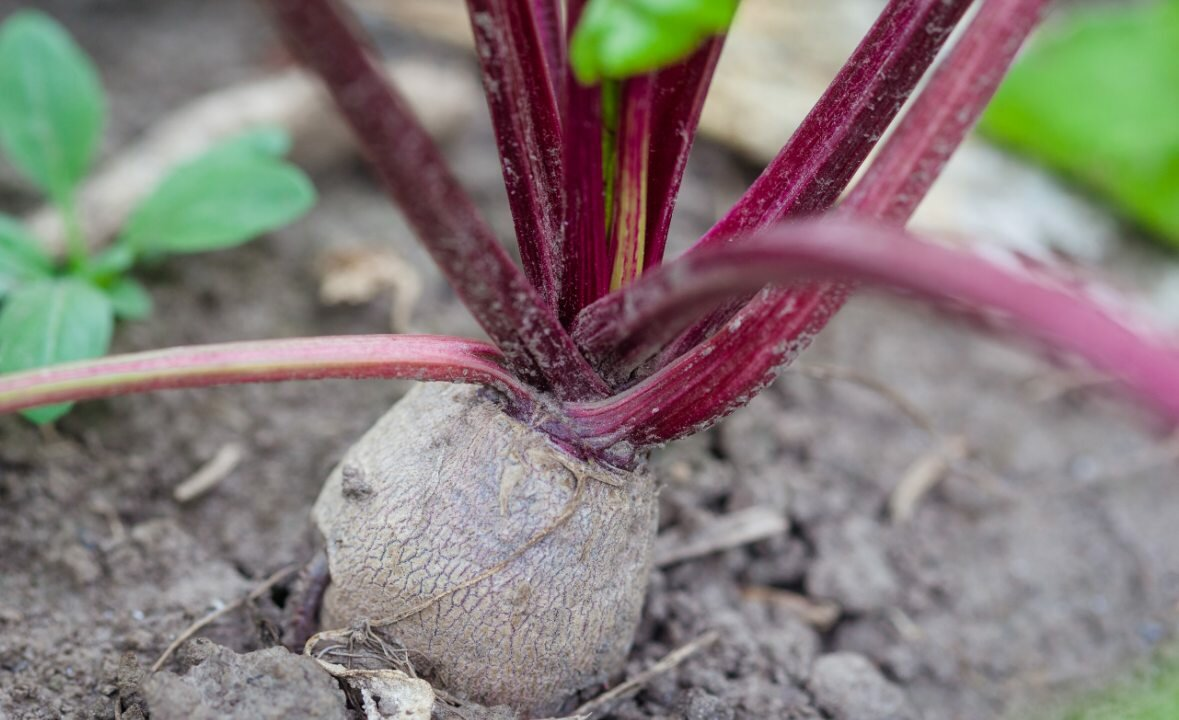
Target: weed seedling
x=51 y=118
x=504 y=535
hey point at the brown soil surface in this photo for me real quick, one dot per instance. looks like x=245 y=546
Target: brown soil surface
x=1044 y=561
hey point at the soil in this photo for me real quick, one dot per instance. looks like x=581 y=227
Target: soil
x=1043 y=562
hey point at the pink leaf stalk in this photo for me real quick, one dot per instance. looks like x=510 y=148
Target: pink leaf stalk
x=680 y=344
x=1013 y=298
x=519 y=90
x=415 y=174
x=415 y=357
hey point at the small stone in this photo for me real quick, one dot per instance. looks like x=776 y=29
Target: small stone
x=852 y=567
x=81 y=564
x=700 y=705
x=849 y=687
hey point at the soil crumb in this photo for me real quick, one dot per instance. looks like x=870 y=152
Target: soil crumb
x=270 y=684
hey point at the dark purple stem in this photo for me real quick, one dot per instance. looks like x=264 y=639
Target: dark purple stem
x=821 y=157
x=732 y=365
x=527 y=129
x=915 y=153
x=817 y=163
x=552 y=39
x=679 y=99
x=1061 y=314
x=447 y=222
x=585 y=274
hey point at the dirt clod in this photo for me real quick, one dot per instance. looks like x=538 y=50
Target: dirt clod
x=261 y=685
x=852 y=568
x=849 y=687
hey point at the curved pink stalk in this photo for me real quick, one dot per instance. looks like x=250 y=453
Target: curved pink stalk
x=415 y=357
x=446 y=221
x=1017 y=299
x=823 y=154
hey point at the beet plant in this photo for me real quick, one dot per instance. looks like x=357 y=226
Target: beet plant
x=504 y=533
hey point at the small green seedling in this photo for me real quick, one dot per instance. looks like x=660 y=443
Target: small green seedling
x=52 y=111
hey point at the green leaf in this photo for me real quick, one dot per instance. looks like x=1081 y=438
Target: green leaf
x=1151 y=692
x=265 y=141
x=621 y=38
x=21 y=257
x=111 y=261
x=51 y=103
x=1097 y=98
x=220 y=200
x=129 y=299
x=50 y=322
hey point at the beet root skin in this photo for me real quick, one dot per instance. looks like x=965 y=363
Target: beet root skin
x=445 y=487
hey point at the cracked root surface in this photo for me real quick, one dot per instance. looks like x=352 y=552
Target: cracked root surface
x=446 y=490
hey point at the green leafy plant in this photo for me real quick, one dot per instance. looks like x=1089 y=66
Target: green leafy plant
x=52 y=112
x=1097 y=98
x=1151 y=692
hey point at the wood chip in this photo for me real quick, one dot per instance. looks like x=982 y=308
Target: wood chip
x=210 y=474
x=922 y=476
x=357 y=275
x=723 y=532
x=819 y=614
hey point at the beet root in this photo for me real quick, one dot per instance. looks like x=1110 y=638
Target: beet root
x=512 y=572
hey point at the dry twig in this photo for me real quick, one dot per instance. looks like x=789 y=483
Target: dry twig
x=723 y=532
x=819 y=614
x=922 y=476
x=210 y=474
x=879 y=387
x=672 y=659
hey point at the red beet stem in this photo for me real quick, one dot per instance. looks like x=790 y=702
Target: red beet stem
x=415 y=357
x=447 y=222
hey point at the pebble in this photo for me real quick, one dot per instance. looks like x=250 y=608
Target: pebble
x=849 y=687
